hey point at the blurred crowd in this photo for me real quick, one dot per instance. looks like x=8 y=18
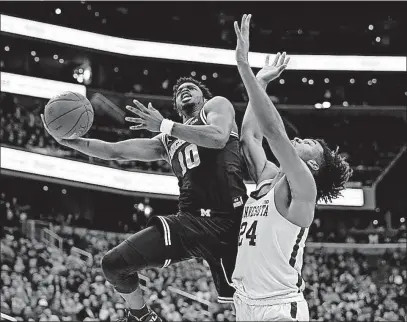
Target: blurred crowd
x=42 y=283
x=368 y=151
x=45 y=281
x=326 y=227
x=355 y=287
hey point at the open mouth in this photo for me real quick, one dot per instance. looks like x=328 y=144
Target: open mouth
x=185 y=97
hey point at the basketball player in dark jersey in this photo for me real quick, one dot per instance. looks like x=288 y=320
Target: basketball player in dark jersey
x=204 y=155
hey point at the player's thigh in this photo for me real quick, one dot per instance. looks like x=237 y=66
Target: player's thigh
x=303 y=311
x=243 y=311
x=222 y=281
x=170 y=249
x=294 y=311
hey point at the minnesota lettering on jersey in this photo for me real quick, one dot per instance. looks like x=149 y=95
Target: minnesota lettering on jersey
x=258 y=210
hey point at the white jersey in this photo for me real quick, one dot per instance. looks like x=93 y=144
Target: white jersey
x=270 y=254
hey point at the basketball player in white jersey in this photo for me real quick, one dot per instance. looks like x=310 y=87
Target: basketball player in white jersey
x=276 y=217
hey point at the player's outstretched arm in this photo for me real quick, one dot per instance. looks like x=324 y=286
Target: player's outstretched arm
x=259 y=167
x=302 y=183
x=133 y=149
x=219 y=112
x=251 y=148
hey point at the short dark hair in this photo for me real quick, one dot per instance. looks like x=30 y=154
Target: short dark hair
x=182 y=80
x=334 y=172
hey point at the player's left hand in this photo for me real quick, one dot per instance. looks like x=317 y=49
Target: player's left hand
x=149 y=118
x=243 y=43
x=270 y=72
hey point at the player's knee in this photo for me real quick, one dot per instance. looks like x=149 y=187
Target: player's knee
x=112 y=263
x=122 y=275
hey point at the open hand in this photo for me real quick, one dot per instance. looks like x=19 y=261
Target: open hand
x=243 y=43
x=273 y=71
x=149 y=118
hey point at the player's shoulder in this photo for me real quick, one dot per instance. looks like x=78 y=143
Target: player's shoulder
x=215 y=102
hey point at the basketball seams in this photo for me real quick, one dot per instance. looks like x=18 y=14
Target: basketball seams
x=65 y=113
x=79 y=118
x=65 y=104
x=87 y=124
x=80 y=98
x=62 y=100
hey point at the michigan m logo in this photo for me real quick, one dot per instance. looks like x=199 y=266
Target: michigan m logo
x=205 y=212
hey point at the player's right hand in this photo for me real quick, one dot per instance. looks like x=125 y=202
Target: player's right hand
x=270 y=72
x=60 y=141
x=243 y=43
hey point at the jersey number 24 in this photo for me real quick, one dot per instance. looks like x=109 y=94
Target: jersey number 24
x=190 y=160
x=250 y=234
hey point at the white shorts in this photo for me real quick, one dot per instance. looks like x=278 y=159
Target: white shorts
x=294 y=311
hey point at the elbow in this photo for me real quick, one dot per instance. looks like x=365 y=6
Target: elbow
x=220 y=143
x=220 y=140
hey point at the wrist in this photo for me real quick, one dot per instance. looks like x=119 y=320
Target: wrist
x=242 y=62
x=262 y=82
x=166 y=126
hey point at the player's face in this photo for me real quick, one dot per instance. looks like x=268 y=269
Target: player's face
x=188 y=95
x=308 y=149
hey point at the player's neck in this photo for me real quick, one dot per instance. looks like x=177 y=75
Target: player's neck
x=194 y=112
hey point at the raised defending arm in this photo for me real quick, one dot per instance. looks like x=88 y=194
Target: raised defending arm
x=251 y=148
x=301 y=181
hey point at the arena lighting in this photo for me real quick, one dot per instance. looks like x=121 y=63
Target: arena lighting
x=326 y=104
x=44 y=165
x=39 y=30
x=36 y=87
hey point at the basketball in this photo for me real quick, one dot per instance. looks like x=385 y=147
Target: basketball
x=68 y=115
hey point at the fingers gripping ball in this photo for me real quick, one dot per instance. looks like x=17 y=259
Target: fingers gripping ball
x=68 y=115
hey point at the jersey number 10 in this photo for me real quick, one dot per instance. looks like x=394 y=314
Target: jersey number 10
x=191 y=159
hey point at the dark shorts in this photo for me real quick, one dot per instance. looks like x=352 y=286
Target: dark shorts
x=209 y=237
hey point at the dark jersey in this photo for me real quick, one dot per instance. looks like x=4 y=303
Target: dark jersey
x=207 y=178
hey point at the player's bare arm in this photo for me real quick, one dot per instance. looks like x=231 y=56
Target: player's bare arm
x=251 y=148
x=302 y=184
x=259 y=167
x=220 y=117
x=133 y=149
